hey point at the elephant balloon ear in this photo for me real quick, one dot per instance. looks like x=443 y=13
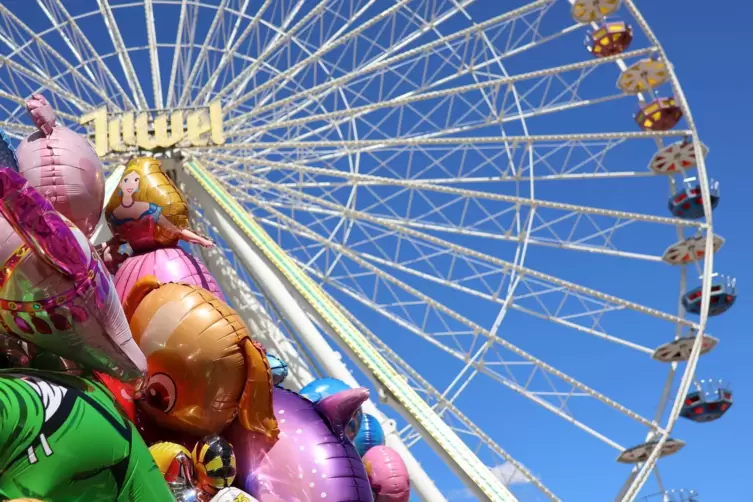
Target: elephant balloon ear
x=138 y=292
x=42 y=228
x=339 y=408
x=7 y=153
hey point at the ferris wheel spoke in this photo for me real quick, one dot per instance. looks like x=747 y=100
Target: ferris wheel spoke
x=540 y=391
x=44 y=62
x=205 y=92
x=434 y=397
x=338 y=39
x=177 y=51
x=454 y=97
x=123 y=56
x=283 y=35
x=497 y=262
x=151 y=33
x=515 y=371
x=201 y=60
x=84 y=52
x=427 y=305
x=462 y=195
x=476 y=279
x=464 y=39
x=16 y=130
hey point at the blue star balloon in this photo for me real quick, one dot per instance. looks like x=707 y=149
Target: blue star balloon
x=7 y=152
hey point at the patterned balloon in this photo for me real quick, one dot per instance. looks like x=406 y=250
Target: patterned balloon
x=7 y=152
x=147 y=210
x=387 y=474
x=55 y=291
x=63 y=167
x=369 y=435
x=312 y=459
x=167 y=265
x=203 y=368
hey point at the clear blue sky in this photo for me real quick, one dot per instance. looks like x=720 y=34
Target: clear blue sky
x=707 y=46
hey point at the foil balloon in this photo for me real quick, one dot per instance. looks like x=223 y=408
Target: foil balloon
x=63 y=438
x=55 y=291
x=324 y=387
x=63 y=167
x=369 y=435
x=388 y=475
x=232 y=495
x=174 y=462
x=203 y=368
x=148 y=211
x=312 y=455
x=121 y=392
x=167 y=265
x=214 y=463
x=7 y=153
x=14 y=353
x=165 y=453
x=279 y=369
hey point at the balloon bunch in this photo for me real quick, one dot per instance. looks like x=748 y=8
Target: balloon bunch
x=388 y=475
x=152 y=356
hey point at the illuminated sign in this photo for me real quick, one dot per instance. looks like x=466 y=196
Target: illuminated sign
x=126 y=131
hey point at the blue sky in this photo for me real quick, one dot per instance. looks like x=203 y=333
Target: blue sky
x=706 y=47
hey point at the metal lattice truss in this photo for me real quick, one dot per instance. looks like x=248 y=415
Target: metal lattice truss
x=415 y=157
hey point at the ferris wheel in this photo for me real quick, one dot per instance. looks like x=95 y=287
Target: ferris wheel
x=508 y=233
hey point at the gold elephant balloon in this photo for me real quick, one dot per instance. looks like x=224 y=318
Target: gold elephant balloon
x=203 y=369
x=148 y=211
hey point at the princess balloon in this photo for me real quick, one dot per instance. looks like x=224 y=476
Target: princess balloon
x=148 y=211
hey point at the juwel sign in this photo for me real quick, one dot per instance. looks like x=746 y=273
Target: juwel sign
x=124 y=131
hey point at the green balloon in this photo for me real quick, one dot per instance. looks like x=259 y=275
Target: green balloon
x=63 y=438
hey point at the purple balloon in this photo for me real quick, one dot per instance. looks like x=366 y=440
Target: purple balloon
x=311 y=460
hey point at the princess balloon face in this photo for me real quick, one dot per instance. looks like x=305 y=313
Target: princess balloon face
x=130 y=183
x=203 y=369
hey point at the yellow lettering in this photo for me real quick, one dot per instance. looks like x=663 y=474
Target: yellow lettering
x=198 y=125
x=99 y=117
x=175 y=136
x=125 y=131
x=144 y=139
x=215 y=120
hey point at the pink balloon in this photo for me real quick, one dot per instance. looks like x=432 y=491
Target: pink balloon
x=167 y=265
x=55 y=291
x=387 y=474
x=63 y=167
